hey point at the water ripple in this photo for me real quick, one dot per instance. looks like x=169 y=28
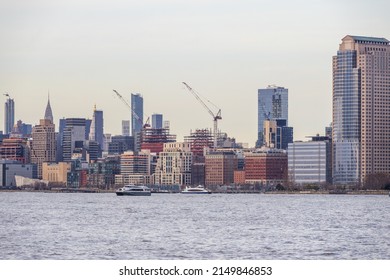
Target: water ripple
x=101 y=226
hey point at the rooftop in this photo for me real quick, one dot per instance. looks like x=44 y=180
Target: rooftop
x=369 y=39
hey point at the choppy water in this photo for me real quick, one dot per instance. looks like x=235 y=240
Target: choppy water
x=173 y=226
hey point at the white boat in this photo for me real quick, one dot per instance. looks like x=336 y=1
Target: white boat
x=133 y=190
x=196 y=190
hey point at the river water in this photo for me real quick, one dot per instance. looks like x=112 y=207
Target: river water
x=173 y=226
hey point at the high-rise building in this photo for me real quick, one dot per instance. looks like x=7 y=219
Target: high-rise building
x=9 y=115
x=361 y=104
x=73 y=136
x=157 y=121
x=97 y=127
x=277 y=134
x=126 y=128
x=43 y=144
x=272 y=105
x=137 y=106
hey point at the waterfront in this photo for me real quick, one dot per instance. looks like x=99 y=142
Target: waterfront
x=173 y=226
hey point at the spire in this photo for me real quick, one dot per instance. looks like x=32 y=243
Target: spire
x=48 y=112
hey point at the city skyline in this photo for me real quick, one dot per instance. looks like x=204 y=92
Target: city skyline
x=80 y=52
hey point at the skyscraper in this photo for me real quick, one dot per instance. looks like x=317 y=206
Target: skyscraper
x=272 y=105
x=361 y=104
x=157 y=121
x=43 y=145
x=96 y=133
x=9 y=115
x=73 y=136
x=137 y=106
x=126 y=128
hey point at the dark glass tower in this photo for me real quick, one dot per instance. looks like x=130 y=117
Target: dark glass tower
x=137 y=105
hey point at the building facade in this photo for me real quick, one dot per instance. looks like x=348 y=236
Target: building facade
x=15 y=149
x=125 y=128
x=73 y=134
x=120 y=144
x=276 y=134
x=361 y=122
x=56 y=172
x=9 y=115
x=135 y=168
x=309 y=163
x=174 y=165
x=137 y=114
x=272 y=104
x=43 y=144
x=267 y=167
x=97 y=128
x=10 y=169
x=220 y=167
x=101 y=174
x=157 y=121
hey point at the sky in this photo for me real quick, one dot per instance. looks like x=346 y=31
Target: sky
x=79 y=51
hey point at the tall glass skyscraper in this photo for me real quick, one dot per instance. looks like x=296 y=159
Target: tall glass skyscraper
x=361 y=104
x=157 y=121
x=9 y=115
x=137 y=105
x=97 y=127
x=272 y=105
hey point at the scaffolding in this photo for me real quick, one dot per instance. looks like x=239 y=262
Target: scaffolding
x=198 y=140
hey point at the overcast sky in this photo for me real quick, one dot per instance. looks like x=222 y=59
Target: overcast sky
x=226 y=50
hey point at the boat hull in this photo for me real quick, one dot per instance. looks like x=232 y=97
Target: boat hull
x=196 y=192
x=133 y=193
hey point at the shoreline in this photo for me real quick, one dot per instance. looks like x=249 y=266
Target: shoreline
x=324 y=192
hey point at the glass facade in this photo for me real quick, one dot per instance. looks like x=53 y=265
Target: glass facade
x=137 y=106
x=309 y=162
x=346 y=118
x=361 y=87
x=157 y=121
x=272 y=105
x=9 y=115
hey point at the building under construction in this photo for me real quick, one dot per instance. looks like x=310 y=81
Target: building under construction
x=198 y=140
x=153 y=139
x=15 y=149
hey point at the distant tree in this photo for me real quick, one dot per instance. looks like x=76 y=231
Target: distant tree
x=376 y=181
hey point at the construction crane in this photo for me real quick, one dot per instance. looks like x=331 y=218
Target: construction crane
x=216 y=116
x=146 y=124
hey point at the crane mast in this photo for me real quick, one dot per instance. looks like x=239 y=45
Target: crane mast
x=216 y=116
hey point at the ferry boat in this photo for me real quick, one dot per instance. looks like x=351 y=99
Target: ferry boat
x=196 y=190
x=133 y=190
